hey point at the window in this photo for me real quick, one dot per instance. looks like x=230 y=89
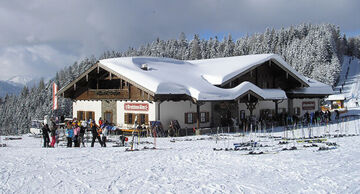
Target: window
x=81 y=115
x=129 y=118
x=202 y=117
x=191 y=118
x=90 y=115
x=140 y=118
x=297 y=110
x=108 y=116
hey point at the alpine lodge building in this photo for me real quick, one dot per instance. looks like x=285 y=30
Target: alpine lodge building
x=198 y=93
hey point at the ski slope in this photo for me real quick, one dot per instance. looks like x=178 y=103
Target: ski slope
x=183 y=166
x=351 y=83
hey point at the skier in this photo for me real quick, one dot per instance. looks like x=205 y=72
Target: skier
x=95 y=134
x=45 y=132
x=69 y=134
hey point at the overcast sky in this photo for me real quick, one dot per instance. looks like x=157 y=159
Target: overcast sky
x=40 y=37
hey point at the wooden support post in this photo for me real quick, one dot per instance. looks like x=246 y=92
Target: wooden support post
x=158 y=109
x=198 y=116
x=110 y=75
x=276 y=107
x=87 y=77
x=75 y=86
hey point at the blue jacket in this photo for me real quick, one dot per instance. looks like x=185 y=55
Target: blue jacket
x=69 y=133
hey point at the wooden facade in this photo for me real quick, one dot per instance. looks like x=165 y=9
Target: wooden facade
x=266 y=75
x=100 y=84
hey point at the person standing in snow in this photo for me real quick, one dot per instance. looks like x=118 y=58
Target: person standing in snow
x=105 y=132
x=45 y=133
x=76 y=135
x=82 y=133
x=95 y=134
x=52 y=132
x=69 y=134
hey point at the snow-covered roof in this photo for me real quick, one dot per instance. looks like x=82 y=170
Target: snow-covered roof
x=336 y=97
x=220 y=70
x=196 y=78
x=315 y=88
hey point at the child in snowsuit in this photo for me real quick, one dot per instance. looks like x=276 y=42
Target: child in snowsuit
x=69 y=135
x=95 y=134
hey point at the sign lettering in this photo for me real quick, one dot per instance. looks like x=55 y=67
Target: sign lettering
x=136 y=106
x=308 y=105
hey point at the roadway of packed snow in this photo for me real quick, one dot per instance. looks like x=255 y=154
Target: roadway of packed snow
x=182 y=167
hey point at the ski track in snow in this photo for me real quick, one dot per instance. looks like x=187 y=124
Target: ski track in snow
x=181 y=167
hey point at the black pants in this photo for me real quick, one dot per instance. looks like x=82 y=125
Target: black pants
x=104 y=141
x=46 y=141
x=76 y=141
x=93 y=140
x=82 y=139
x=69 y=142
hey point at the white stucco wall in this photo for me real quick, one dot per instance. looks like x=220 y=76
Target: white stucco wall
x=176 y=111
x=85 y=105
x=121 y=112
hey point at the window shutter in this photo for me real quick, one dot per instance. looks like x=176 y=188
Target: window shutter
x=146 y=119
x=133 y=118
x=78 y=115
x=207 y=117
x=186 y=118
x=126 y=121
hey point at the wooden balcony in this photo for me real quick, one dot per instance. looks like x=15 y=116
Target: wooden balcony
x=101 y=94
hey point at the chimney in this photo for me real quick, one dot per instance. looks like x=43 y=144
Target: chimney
x=144 y=67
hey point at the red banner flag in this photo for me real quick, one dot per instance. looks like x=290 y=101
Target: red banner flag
x=55 y=100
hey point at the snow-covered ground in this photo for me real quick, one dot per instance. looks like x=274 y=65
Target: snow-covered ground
x=193 y=166
x=184 y=166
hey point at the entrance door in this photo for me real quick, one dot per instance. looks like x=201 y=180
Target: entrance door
x=109 y=111
x=108 y=116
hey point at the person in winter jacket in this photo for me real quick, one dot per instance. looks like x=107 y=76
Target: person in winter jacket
x=105 y=132
x=95 y=134
x=52 y=132
x=45 y=133
x=76 y=135
x=69 y=134
x=82 y=133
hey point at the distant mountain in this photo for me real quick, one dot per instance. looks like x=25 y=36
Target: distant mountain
x=9 y=88
x=15 y=84
x=20 y=79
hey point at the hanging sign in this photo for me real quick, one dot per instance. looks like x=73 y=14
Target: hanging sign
x=136 y=106
x=308 y=105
